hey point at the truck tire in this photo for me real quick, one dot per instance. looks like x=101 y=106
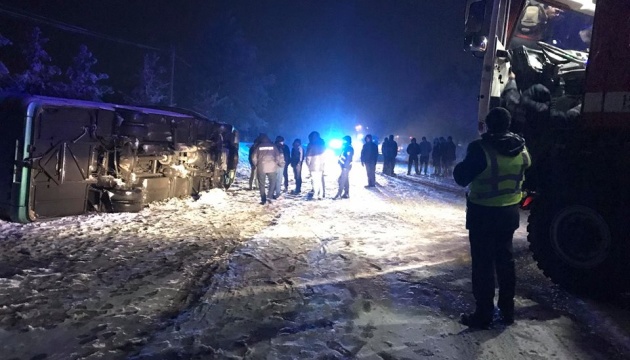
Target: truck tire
x=574 y=246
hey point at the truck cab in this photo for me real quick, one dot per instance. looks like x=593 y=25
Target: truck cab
x=560 y=67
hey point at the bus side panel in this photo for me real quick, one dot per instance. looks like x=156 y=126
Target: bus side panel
x=62 y=152
x=12 y=191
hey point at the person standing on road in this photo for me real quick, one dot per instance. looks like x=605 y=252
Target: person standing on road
x=267 y=158
x=437 y=157
x=449 y=156
x=425 y=151
x=345 y=161
x=413 y=150
x=392 y=153
x=385 y=151
x=252 y=174
x=297 y=157
x=287 y=157
x=282 y=169
x=442 y=152
x=316 y=163
x=494 y=167
x=369 y=156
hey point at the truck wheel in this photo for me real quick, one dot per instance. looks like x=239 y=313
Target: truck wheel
x=575 y=247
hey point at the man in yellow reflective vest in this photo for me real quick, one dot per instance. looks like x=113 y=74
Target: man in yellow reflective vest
x=494 y=170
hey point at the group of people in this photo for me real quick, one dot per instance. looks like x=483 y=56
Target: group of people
x=389 y=148
x=271 y=161
x=442 y=154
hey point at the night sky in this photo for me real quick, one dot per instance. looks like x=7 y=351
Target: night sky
x=396 y=66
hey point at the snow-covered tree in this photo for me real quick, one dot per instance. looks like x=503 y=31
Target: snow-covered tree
x=235 y=89
x=40 y=78
x=153 y=86
x=83 y=83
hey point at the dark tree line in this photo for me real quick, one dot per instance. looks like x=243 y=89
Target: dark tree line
x=42 y=77
x=233 y=87
x=228 y=84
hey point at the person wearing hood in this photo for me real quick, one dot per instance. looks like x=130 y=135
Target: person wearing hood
x=267 y=159
x=316 y=162
x=282 y=172
x=345 y=161
x=494 y=169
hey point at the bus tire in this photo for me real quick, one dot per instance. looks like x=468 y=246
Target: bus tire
x=122 y=200
x=125 y=195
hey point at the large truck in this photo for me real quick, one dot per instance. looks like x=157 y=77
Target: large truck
x=61 y=157
x=579 y=50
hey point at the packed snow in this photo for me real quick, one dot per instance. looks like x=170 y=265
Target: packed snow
x=382 y=275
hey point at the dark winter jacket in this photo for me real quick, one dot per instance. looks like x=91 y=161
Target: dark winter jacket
x=425 y=148
x=511 y=97
x=449 y=151
x=284 y=150
x=413 y=150
x=267 y=157
x=252 y=150
x=385 y=149
x=369 y=153
x=345 y=159
x=536 y=105
x=393 y=149
x=437 y=150
x=488 y=218
x=297 y=155
x=530 y=110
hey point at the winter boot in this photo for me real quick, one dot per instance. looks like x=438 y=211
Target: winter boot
x=476 y=321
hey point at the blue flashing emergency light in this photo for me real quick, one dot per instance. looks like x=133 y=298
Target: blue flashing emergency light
x=335 y=144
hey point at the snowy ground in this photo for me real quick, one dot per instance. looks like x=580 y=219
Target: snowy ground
x=382 y=275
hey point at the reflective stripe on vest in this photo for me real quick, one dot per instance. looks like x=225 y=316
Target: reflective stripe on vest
x=500 y=183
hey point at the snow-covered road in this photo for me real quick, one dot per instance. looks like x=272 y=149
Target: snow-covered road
x=382 y=275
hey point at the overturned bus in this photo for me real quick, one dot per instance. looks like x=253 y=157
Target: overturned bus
x=61 y=157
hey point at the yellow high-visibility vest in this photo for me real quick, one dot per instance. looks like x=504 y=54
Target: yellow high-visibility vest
x=501 y=182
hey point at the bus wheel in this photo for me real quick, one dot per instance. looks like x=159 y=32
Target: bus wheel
x=122 y=200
